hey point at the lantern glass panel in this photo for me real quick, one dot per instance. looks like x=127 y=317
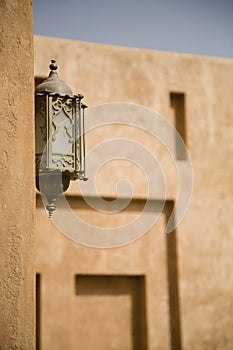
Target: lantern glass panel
x=62 y=137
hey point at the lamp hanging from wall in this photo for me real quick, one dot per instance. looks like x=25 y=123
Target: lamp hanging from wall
x=60 y=137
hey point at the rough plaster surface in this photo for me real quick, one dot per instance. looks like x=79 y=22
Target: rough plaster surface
x=16 y=176
x=205 y=241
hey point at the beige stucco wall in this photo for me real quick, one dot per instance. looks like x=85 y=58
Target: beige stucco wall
x=16 y=176
x=203 y=240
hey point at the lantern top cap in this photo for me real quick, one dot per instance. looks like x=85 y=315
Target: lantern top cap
x=53 y=83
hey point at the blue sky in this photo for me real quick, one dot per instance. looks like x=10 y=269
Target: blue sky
x=201 y=27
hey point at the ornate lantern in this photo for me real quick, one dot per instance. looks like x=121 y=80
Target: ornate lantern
x=60 y=137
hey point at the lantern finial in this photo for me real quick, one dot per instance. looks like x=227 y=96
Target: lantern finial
x=51 y=207
x=53 y=65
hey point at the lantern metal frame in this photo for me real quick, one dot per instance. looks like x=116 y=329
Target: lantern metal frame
x=60 y=137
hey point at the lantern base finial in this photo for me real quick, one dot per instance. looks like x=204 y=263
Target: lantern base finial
x=51 y=207
x=51 y=184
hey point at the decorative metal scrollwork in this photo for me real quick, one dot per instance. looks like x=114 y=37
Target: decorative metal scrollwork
x=63 y=162
x=58 y=105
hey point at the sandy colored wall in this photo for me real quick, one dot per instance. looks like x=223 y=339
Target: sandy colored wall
x=16 y=177
x=204 y=239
